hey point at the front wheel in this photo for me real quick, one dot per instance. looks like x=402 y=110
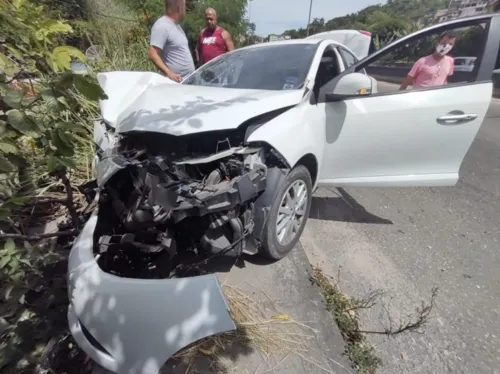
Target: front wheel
x=288 y=214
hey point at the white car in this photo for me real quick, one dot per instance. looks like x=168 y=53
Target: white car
x=464 y=63
x=225 y=163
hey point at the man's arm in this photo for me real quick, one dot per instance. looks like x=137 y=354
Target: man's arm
x=197 y=50
x=452 y=69
x=411 y=75
x=229 y=41
x=407 y=82
x=197 y=54
x=154 y=55
x=159 y=37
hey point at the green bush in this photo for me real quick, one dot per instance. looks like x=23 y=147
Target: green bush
x=46 y=115
x=45 y=135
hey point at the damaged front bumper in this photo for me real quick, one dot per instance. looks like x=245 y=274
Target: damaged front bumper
x=136 y=325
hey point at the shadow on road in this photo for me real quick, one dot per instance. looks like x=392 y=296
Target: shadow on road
x=343 y=208
x=227 y=351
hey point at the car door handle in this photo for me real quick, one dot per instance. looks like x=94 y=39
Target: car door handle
x=456 y=119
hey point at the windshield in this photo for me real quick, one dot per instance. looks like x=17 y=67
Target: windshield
x=273 y=67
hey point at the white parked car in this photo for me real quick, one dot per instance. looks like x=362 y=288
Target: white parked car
x=190 y=176
x=465 y=63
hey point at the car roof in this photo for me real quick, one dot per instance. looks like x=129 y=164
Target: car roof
x=357 y=42
x=288 y=42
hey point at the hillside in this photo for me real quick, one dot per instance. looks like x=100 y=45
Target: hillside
x=395 y=16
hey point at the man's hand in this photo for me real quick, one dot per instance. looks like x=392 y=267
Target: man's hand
x=407 y=82
x=154 y=55
x=173 y=76
x=197 y=49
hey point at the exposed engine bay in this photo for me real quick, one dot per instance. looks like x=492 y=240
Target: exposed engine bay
x=178 y=204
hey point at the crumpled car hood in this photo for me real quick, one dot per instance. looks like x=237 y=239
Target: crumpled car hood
x=150 y=102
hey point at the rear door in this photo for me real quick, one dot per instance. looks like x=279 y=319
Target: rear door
x=415 y=137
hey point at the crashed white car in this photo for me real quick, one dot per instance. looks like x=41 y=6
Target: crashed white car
x=190 y=176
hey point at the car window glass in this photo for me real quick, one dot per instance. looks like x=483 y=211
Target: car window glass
x=224 y=73
x=349 y=58
x=328 y=69
x=280 y=66
x=418 y=58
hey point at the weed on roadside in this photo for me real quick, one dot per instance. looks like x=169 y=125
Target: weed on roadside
x=344 y=311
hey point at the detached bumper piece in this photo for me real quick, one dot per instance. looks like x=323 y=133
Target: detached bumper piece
x=135 y=325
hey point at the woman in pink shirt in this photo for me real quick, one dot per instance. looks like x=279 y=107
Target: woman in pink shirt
x=433 y=70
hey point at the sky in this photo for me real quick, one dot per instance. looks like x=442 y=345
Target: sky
x=276 y=16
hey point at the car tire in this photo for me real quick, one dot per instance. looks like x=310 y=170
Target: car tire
x=276 y=244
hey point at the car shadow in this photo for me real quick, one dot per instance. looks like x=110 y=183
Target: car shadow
x=216 y=356
x=343 y=208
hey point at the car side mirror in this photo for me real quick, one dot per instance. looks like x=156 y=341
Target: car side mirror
x=351 y=85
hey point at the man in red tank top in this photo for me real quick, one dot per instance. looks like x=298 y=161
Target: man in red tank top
x=214 y=40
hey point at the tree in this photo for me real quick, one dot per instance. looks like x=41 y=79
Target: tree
x=250 y=28
x=230 y=13
x=387 y=21
x=296 y=33
x=386 y=27
x=317 y=26
x=37 y=113
x=67 y=9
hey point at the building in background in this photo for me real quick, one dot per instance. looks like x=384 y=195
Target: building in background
x=465 y=8
x=274 y=37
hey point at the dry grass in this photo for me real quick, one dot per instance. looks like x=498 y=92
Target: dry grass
x=276 y=337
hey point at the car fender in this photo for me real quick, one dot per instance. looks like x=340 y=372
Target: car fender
x=292 y=135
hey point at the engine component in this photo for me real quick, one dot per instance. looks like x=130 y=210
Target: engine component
x=227 y=238
x=176 y=215
x=221 y=197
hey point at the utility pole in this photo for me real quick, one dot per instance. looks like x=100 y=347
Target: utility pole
x=249 y=20
x=309 y=19
x=248 y=7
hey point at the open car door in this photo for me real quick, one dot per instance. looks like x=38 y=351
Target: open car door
x=413 y=137
x=358 y=41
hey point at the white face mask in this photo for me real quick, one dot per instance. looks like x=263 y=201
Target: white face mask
x=443 y=49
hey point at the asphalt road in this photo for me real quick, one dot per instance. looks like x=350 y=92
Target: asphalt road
x=406 y=241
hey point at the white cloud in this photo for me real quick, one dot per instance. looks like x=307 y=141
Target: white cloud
x=276 y=16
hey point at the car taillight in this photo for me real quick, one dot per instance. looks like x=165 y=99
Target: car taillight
x=367 y=33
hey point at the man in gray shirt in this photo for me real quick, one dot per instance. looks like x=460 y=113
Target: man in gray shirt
x=169 y=49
